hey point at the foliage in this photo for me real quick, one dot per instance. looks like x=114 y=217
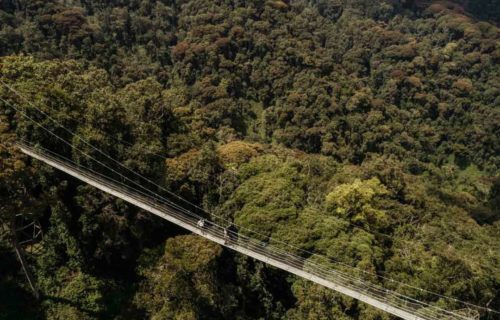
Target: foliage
x=183 y=282
x=354 y=202
x=366 y=131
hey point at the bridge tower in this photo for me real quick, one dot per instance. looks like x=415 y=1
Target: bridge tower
x=24 y=233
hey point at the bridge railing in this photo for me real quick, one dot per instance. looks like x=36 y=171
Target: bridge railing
x=323 y=270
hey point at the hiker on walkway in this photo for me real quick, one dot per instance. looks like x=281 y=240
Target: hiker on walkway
x=233 y=234
x=226 y=236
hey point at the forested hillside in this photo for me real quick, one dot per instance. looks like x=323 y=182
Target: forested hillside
x=367 y=131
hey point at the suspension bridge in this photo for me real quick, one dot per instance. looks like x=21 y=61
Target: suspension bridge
x=308 y=265
x=308 y=268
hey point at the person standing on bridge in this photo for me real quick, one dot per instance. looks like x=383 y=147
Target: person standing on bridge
x=226 y=236
x=201 y=224
x=233 y=233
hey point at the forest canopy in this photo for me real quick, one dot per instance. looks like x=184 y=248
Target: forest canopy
x=365 y=131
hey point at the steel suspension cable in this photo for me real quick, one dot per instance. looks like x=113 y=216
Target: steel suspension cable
x=220 y=217
x=383 y=296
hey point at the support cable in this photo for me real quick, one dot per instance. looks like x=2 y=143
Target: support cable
x=158 y=197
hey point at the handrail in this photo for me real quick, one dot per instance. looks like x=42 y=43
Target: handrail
x=379 y=297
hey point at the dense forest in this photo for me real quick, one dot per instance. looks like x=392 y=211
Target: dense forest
x=366 y=131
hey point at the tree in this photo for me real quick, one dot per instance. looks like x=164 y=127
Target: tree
x=357 y=201
x=182 y=284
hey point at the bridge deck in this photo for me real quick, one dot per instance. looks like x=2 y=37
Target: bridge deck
x=379 y=298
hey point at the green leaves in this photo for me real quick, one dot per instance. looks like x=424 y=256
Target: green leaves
x=357 y=202
x=398 y=98
x=182 y=284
